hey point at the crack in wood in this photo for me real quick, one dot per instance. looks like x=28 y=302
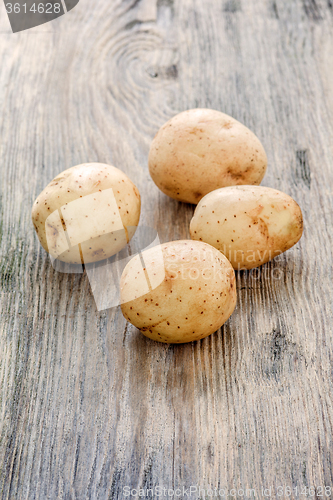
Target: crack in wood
x=312 y=10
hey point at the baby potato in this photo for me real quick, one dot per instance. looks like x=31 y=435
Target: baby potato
x=185 y=292
x=250 y=225
x=87 y=213
x=200 y=150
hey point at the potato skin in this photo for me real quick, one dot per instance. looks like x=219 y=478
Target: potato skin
x=195 y=295
x=201 y=150
x=87 y=201
x=250 y=225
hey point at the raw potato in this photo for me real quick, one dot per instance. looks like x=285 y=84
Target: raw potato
x=87 y=213
x=201 y=150
x=185 y=292
x=250 y=225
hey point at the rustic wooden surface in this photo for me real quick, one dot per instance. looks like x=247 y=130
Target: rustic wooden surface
x=88 y=404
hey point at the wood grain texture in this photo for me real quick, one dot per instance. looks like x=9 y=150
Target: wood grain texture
x=88 y=405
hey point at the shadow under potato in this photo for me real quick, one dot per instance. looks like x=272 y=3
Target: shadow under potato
x=175 y=221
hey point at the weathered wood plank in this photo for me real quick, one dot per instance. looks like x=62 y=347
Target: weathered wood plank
x=88 y=405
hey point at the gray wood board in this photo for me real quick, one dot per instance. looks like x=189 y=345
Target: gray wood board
x=88 y=404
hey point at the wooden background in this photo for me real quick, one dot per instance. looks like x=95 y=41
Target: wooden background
x=88 y=405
